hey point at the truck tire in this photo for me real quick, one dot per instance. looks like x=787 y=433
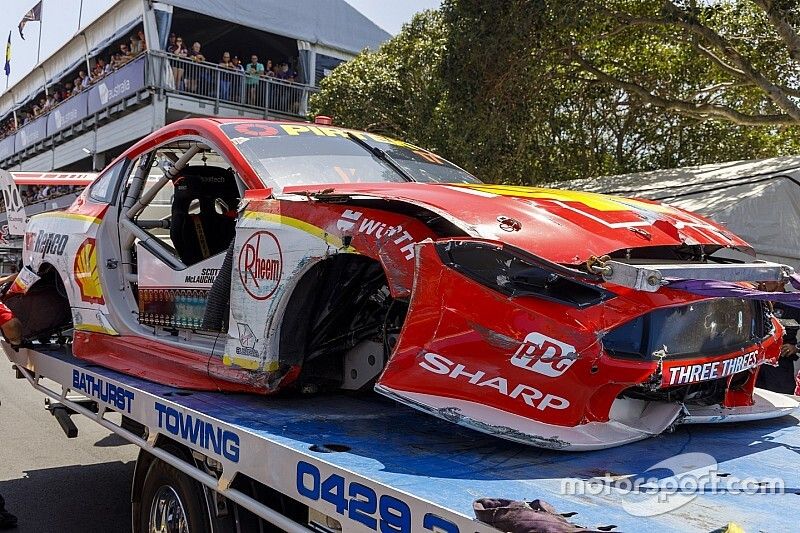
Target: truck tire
x=172 y=502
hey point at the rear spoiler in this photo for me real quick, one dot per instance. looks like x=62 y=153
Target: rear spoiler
x=17 y=219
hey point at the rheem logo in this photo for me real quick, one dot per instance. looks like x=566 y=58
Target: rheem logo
x=544 y=355
x=260 y=265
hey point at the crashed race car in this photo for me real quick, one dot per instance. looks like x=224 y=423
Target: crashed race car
x=261 y=257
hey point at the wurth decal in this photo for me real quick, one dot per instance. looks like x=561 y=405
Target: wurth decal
x=355 y=222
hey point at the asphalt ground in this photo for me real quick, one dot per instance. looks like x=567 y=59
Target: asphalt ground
x=56 y=484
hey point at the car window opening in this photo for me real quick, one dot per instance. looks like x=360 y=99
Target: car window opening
x=180 y=213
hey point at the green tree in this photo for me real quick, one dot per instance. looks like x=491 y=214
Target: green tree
x=532 y=91
x=733 y=60
x=395 y=90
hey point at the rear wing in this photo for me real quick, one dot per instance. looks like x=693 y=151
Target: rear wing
x=15 y=209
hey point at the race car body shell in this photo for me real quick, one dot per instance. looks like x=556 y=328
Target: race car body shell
x=504 y=328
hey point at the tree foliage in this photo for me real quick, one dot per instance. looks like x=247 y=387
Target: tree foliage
x=395 y=90
x=531 y=91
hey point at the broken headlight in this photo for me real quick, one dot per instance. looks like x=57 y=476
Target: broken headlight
x=707 y=328
x=514 y=273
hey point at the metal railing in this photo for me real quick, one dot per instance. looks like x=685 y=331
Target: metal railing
x=223 y=85
x=160 y=71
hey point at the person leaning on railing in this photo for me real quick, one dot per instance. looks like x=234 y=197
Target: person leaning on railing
x=225 y=78
x=180 y=50
x=195 y=75
x=268 y=69
x=254 y=70
x=136 y=46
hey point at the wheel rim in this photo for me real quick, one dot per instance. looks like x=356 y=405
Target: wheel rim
x=167 y=514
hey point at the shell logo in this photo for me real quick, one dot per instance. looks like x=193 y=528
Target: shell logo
x=86 y=273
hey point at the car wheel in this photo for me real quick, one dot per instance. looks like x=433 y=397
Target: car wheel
x=172 y=502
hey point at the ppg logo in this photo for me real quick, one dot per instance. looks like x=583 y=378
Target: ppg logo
x=544 y=355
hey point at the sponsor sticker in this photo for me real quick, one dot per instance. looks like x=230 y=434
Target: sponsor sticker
x=254 y=129
x=544 y=355
x=25 y=278
x=531 y=396
x=86 y=274
x=247 y=341
x=48 y=243
x=693 y=373
x=260 y=265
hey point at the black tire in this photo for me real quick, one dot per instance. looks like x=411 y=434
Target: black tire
x=163 y=479
x=43 y=310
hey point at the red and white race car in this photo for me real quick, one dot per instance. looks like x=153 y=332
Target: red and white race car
x=255 y=256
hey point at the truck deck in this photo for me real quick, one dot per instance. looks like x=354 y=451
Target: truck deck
x=373 y=464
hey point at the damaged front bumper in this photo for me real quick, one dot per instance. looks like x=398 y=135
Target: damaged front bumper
x=504 y=352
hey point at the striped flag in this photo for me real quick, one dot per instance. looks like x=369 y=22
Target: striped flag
x=8 y=56
x=31 y=16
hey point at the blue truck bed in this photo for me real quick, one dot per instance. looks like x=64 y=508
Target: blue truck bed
x=302 y=446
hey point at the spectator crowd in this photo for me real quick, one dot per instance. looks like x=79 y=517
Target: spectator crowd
x=236 y=80
x=60 y=92
x=189 y=77
x=32 y=194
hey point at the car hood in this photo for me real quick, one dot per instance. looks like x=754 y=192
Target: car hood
x=562 y=226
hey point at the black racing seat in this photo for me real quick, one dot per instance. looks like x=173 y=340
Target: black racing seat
x=201 y=235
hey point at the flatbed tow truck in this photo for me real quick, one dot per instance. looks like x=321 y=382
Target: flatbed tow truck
x=362 y=463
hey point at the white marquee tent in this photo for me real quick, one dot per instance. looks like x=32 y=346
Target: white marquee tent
x=757 y=200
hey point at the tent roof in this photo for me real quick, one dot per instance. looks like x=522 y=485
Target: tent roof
x=758 y=200
x=331 y=23
x=674 y=183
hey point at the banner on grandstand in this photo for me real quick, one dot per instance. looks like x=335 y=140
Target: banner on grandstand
x=7 y=147
x=30 y=134
x=67 y=113
x=121 y=84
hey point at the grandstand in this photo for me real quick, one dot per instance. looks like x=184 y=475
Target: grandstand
x=54 y=121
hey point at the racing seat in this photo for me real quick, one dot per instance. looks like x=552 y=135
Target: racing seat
x=198 y=236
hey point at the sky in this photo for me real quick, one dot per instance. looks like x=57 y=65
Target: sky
x=60 y=23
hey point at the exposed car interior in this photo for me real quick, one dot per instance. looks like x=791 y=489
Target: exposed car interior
x=203 y=214
x=177 y=219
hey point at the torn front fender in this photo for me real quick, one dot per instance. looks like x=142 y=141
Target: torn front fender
x=522 y=368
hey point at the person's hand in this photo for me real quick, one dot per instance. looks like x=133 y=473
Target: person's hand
x=788 y=350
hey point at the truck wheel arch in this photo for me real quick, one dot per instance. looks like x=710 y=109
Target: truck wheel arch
x=151 y=473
